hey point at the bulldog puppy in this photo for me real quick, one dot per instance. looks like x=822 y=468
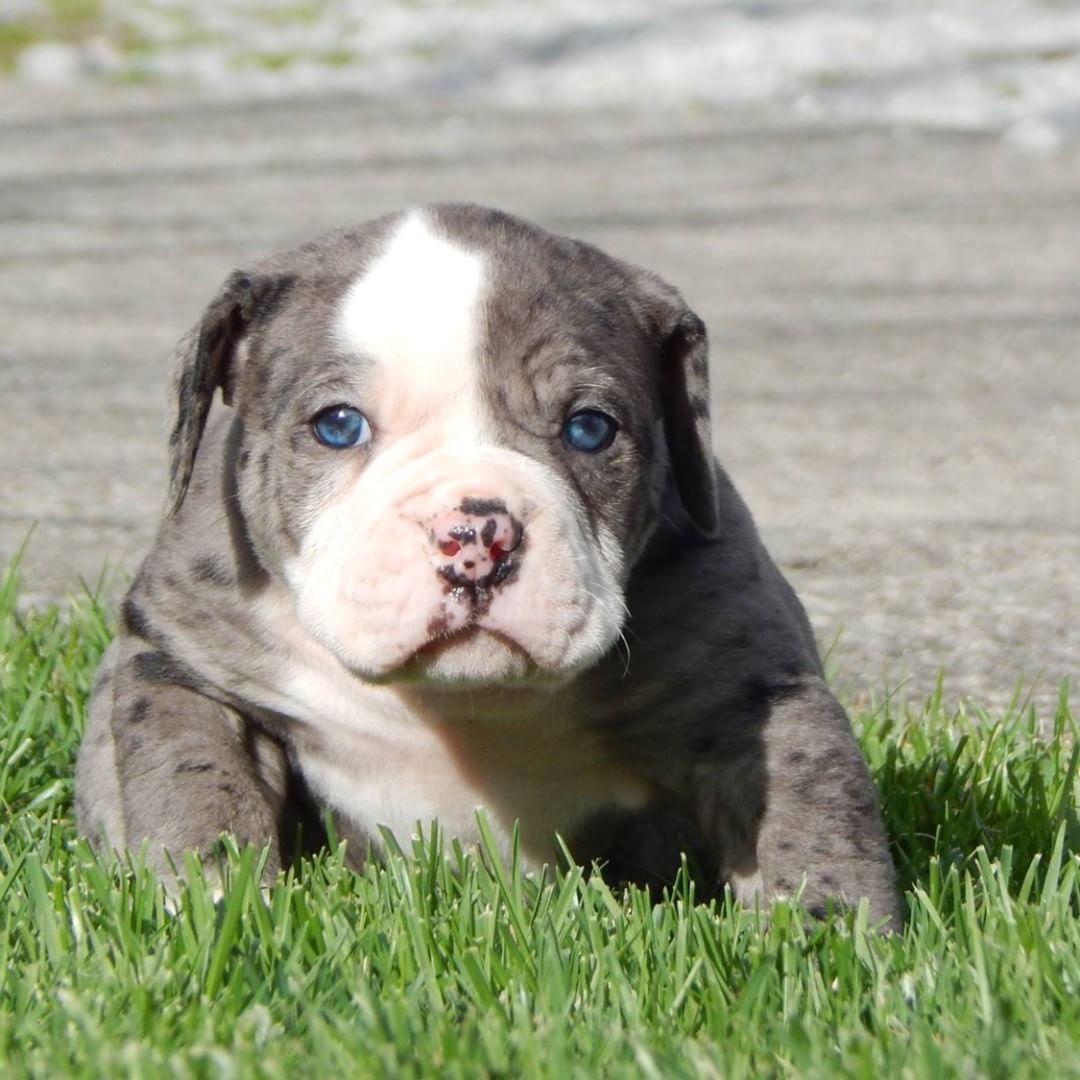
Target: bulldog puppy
x=456 y=538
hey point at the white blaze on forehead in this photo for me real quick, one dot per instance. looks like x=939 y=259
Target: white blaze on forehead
x=415 y=313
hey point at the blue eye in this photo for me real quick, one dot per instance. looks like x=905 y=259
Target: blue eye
x=340 y=427
x=589 y=431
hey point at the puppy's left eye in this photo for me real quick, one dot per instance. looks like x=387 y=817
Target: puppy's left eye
x=341 y=427
x=589 y=431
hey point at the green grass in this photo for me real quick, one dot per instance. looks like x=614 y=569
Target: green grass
x=457 y=966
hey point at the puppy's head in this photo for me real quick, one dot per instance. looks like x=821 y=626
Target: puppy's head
x=454 y=433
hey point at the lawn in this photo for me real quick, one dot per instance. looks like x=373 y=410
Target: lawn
x=446 y=964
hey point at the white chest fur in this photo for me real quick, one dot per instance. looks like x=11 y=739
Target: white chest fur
x=390 y=758
x=395 y=770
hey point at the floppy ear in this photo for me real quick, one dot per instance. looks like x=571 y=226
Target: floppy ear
x=203 y=361
x=683 y=372
x=684 y=394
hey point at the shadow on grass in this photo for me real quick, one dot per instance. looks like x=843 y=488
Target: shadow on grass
x=954 y=783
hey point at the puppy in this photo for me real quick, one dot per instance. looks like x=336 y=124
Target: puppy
x=456 y=539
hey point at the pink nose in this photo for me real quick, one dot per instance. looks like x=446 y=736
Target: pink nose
x=475 y=540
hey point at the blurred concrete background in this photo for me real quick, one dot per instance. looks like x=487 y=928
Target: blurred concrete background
x=892 y=290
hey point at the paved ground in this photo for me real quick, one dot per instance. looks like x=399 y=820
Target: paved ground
x=895 y=319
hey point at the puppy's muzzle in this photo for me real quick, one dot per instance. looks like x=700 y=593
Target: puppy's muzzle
x=478 y=544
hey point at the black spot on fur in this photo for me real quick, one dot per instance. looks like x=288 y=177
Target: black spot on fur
x=703 y=744
x=159 y=667
x=209 y=570
x=139 y=711
x=195 y=766
x=243 y=460
x=487 y=533
x=796 y=757
x=135 y=621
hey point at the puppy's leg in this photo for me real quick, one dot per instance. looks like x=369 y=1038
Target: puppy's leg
x=164 y=764
x=799 y=808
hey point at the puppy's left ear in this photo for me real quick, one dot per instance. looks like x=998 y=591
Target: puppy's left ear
x=684 y=390
x=684 y=396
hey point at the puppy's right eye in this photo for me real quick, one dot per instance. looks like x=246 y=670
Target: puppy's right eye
x=341 y=427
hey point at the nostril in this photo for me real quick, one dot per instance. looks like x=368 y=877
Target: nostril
x=501 y=535
x=449 y=547
x=502 y=547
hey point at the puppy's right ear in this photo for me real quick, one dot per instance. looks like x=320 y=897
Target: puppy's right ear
x=203 y=361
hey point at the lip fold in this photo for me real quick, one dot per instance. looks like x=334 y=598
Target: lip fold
x=469 y=656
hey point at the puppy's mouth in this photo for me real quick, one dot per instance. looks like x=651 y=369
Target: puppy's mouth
x=472 y=656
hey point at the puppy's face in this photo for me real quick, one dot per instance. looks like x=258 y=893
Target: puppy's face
x=452 y=440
